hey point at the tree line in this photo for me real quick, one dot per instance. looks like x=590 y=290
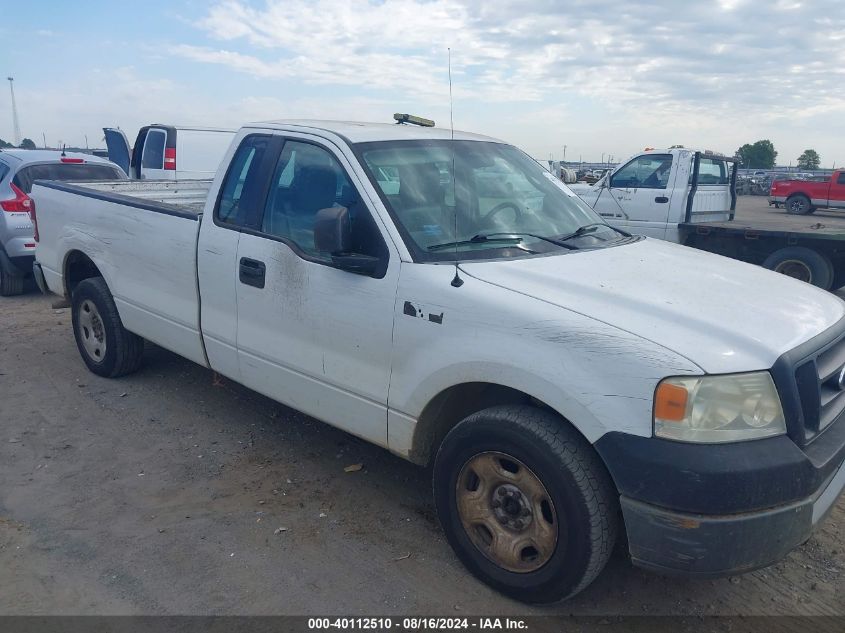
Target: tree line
x=27 y=143
x=762 y=155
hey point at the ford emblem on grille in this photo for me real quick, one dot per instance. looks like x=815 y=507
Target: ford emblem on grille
x=841 y=380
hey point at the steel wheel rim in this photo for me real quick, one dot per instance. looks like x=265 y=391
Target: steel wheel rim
x=506 y=512
x=797 y=205
x=91 y=331
x=796 y=269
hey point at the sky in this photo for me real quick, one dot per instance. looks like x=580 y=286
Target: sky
x=598 y=77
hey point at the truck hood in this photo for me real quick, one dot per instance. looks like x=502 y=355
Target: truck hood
x=588 y=193
x=723 y=315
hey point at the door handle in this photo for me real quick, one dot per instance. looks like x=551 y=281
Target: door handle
x=661 y=199
x=251 y=272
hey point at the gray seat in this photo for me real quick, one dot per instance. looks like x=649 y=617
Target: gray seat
x=314 y=187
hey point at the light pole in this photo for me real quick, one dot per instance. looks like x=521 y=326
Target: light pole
x=15 y=124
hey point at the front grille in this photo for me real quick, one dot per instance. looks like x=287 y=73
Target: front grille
x=817 y=379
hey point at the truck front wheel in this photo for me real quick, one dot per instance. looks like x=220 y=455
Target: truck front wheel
x=802 y=264
x=799 y=205
x=107 y=348
x=525 y=502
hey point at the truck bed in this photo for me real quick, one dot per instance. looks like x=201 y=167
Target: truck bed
x=753 y=218
x=142 y=237
x=188 y=195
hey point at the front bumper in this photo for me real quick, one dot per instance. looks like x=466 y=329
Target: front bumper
x=712 y=546
x=722 y=509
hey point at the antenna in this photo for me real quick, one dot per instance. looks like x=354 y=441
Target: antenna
x=457 y=282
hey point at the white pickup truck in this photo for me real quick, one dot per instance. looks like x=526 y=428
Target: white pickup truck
x=448 y=299
x=689 y=197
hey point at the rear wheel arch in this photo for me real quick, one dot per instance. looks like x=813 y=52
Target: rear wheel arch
x=78 y=267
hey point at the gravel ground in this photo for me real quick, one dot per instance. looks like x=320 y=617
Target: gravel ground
x=163 y=493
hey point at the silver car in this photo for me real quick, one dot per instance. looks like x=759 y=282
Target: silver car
x=19 y=168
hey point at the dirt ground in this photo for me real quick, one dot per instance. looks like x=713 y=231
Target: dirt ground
x=756 y=210
x=162 y=493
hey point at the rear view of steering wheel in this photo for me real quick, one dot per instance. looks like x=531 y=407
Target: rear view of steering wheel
x=489 y=218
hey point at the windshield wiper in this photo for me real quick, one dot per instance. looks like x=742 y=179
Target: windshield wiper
x=550 y=240
x=589 y=228
x=508 y=236
x=475 y=239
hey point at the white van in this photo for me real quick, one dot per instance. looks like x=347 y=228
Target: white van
x=169 y=152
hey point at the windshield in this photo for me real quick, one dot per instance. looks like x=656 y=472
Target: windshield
x=473 y=199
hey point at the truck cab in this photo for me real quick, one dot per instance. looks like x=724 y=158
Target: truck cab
x=654 y=191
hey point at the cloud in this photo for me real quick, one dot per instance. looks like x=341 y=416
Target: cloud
x=597 y=75
x=700 y=57
x=714 y=69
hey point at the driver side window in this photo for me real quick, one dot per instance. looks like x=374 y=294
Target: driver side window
x=307 y=179
x=644 y=172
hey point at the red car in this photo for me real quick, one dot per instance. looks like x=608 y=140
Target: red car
x=801 y=197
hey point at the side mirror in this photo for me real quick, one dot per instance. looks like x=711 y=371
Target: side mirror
x=333 y=230
x=333 y=235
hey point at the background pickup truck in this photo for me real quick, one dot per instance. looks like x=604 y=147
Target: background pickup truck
x=689 y=197
x=448 y=299
x=801 y=197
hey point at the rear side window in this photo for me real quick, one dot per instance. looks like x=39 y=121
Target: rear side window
x=153 y=157
x=68 y=172
x=4 y=169
x=712 y=171
x=840 y=179
x=242 y=190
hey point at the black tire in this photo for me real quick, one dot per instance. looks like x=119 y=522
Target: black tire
x=579 y=490
x=11 y=279
x=95 y=318
x=799 y=204
x=802 y=264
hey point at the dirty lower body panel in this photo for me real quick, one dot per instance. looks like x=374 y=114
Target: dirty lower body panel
x=707 y=545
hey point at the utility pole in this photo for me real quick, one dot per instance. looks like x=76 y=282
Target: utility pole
x=15 y=125
x=44 y=138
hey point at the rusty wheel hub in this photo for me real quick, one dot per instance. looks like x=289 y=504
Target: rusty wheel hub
x=506 y=512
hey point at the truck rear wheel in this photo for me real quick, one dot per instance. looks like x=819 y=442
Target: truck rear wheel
x=11 y=281
x=525 y=503
x=799 y=205
x=802 y=264
x=107 y=348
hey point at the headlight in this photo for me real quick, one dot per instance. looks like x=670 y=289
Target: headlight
x=715 y=409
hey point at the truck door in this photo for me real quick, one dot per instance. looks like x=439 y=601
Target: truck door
x=637 y=197
x=310 y=335
x=240 y=198
x=118 y=147
x=152 y=156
